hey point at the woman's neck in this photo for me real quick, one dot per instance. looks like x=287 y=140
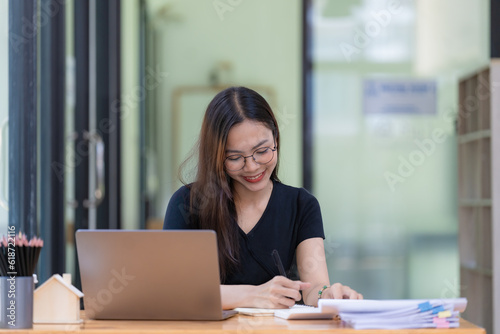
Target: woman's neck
x=243 y=196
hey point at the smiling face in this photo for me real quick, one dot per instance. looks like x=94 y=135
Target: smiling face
x=244 y=139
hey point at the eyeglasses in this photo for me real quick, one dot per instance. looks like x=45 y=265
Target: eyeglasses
x=262 y=156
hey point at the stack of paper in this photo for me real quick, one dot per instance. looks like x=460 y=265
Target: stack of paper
x=394 y=314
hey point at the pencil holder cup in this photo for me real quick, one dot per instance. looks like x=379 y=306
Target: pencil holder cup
x=16 y=302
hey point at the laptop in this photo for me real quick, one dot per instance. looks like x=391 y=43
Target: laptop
x=150 y=275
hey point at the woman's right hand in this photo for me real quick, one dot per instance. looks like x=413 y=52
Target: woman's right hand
x=279 y=292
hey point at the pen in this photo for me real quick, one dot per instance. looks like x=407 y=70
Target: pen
x=278 y=263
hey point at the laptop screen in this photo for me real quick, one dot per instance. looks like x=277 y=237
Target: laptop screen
x=168 y=275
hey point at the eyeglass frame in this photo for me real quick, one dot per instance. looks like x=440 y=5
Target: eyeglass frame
x=273 y=149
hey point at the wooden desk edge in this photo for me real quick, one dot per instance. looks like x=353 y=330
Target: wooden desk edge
x=236 y=324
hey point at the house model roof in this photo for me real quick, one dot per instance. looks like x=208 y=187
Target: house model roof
x=59 y=279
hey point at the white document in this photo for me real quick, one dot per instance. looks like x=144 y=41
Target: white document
x=303 y=312
x=369 y=305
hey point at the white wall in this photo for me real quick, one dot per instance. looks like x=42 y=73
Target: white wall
x=451 y=35
x=4 y=107
x=261 y=41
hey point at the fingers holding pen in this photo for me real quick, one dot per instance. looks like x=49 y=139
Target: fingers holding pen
x=288 y=291
x=288 y=288
x=281 y=292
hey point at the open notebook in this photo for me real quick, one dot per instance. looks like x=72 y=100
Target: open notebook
x=295 y=312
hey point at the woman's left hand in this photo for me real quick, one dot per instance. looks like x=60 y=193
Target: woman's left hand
x=339 y=291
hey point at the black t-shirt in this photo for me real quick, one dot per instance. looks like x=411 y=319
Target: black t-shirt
x=292 y=215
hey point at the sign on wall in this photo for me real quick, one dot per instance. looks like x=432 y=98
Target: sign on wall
x=395 y=96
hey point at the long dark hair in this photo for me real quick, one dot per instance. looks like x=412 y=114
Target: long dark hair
x=212 y=201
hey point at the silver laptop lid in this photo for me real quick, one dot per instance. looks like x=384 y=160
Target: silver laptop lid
x=168 y=275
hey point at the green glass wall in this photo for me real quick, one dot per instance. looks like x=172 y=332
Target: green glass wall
x=387 y=181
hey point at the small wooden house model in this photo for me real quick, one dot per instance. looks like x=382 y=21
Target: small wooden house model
x=57 y=301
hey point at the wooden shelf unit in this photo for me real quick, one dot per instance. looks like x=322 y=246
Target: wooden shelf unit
x=474 y=132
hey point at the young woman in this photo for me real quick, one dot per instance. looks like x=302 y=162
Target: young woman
x=238 y=194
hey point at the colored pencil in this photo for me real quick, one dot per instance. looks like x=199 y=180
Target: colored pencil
x=18 y=255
